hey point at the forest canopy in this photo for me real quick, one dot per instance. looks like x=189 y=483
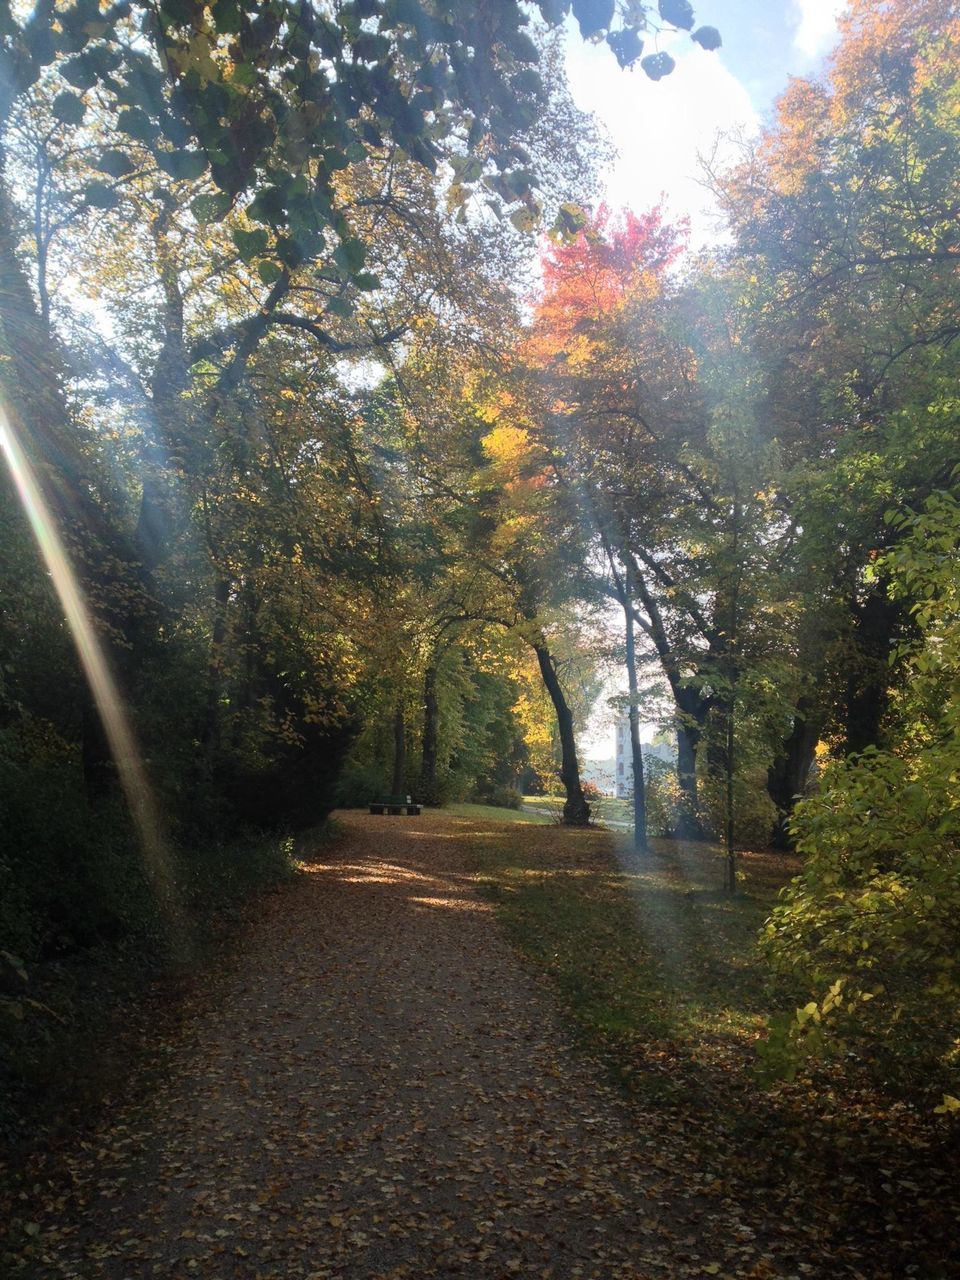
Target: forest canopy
x=354 y=416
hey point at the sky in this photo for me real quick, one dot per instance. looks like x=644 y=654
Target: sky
x=659 y=129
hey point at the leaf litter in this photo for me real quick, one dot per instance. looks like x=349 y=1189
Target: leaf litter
x=382 y=1088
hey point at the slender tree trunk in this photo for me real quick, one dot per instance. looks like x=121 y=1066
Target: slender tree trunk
x=399 y=752
x=730 y=878
x=428 y=764
x=636 y=753
x=733 y=675
x=576 y=810
x=210 y=735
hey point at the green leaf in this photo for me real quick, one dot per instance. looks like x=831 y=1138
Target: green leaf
x=116 y=163
x=707 y=38
x=78 y=72
x=185 y=166
x=250 y=244
x=657 y=65
x=268 y=271
x=244 y=74
x=366 y=281
x=340 y=306
x=627 y=46
x=99 y=196
x=569 y=221
x=593 y=16
x=524 y=220
x=269 y=205
x=679 y=13
x=350 y=255
x=68 y=108
x=226 y=16
x=210 y=208
x=135 y=123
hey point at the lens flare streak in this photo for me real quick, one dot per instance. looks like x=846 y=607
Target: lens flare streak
x=116 y=723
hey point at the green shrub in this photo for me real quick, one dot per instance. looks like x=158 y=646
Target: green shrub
x=662 y=796
x=870 y=927
x=360 y=783
x=501 y=796
x=754 y=813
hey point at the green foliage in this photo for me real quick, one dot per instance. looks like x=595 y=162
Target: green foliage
x=872 y=919
x=500 y=797
x=663 y=796
x=65 y=1004
x=361 y=782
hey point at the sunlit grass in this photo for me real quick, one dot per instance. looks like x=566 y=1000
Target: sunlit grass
x=494 y=814
x=649 y=959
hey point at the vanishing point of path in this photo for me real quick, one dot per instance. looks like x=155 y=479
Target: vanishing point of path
x=376 y=1088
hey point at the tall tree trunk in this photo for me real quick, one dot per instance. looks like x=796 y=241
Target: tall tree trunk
x=636 y=752
x=428 y=763
x=399 y=752
x=868 y=684
x=787 y=776
x=689 y=737
x=732 y=640
x=576 y=811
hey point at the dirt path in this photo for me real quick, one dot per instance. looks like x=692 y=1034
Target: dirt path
x=378 y=1089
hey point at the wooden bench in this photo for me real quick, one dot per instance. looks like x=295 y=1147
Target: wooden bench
x=395 y=806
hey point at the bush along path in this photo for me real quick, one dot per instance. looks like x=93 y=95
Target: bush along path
x=379 y=1087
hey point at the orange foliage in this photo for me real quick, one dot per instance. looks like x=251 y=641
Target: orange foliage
x=889 y=52
x=615 y=258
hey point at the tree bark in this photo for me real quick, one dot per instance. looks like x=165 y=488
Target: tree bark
x=787 y=776
x=868 y=685
x=399 y=752
x=576 y=810
x=210 y=735
x=636 y=752
x=428 y=763
x=730 y=877
x=689 y=737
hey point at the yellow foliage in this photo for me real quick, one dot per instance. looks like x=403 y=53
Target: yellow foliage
x=506 y=443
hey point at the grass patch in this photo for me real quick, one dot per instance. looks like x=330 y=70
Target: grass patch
x=646 y=955
x=492 y=813
x=658 y=973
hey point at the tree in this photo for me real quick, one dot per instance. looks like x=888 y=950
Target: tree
x=650 y=407
x=843 y=226
x=870 y=923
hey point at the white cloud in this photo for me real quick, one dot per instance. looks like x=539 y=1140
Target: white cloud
x=659 y=129
x=816 y=28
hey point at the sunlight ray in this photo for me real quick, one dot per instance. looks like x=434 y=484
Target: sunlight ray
x=96 y=668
